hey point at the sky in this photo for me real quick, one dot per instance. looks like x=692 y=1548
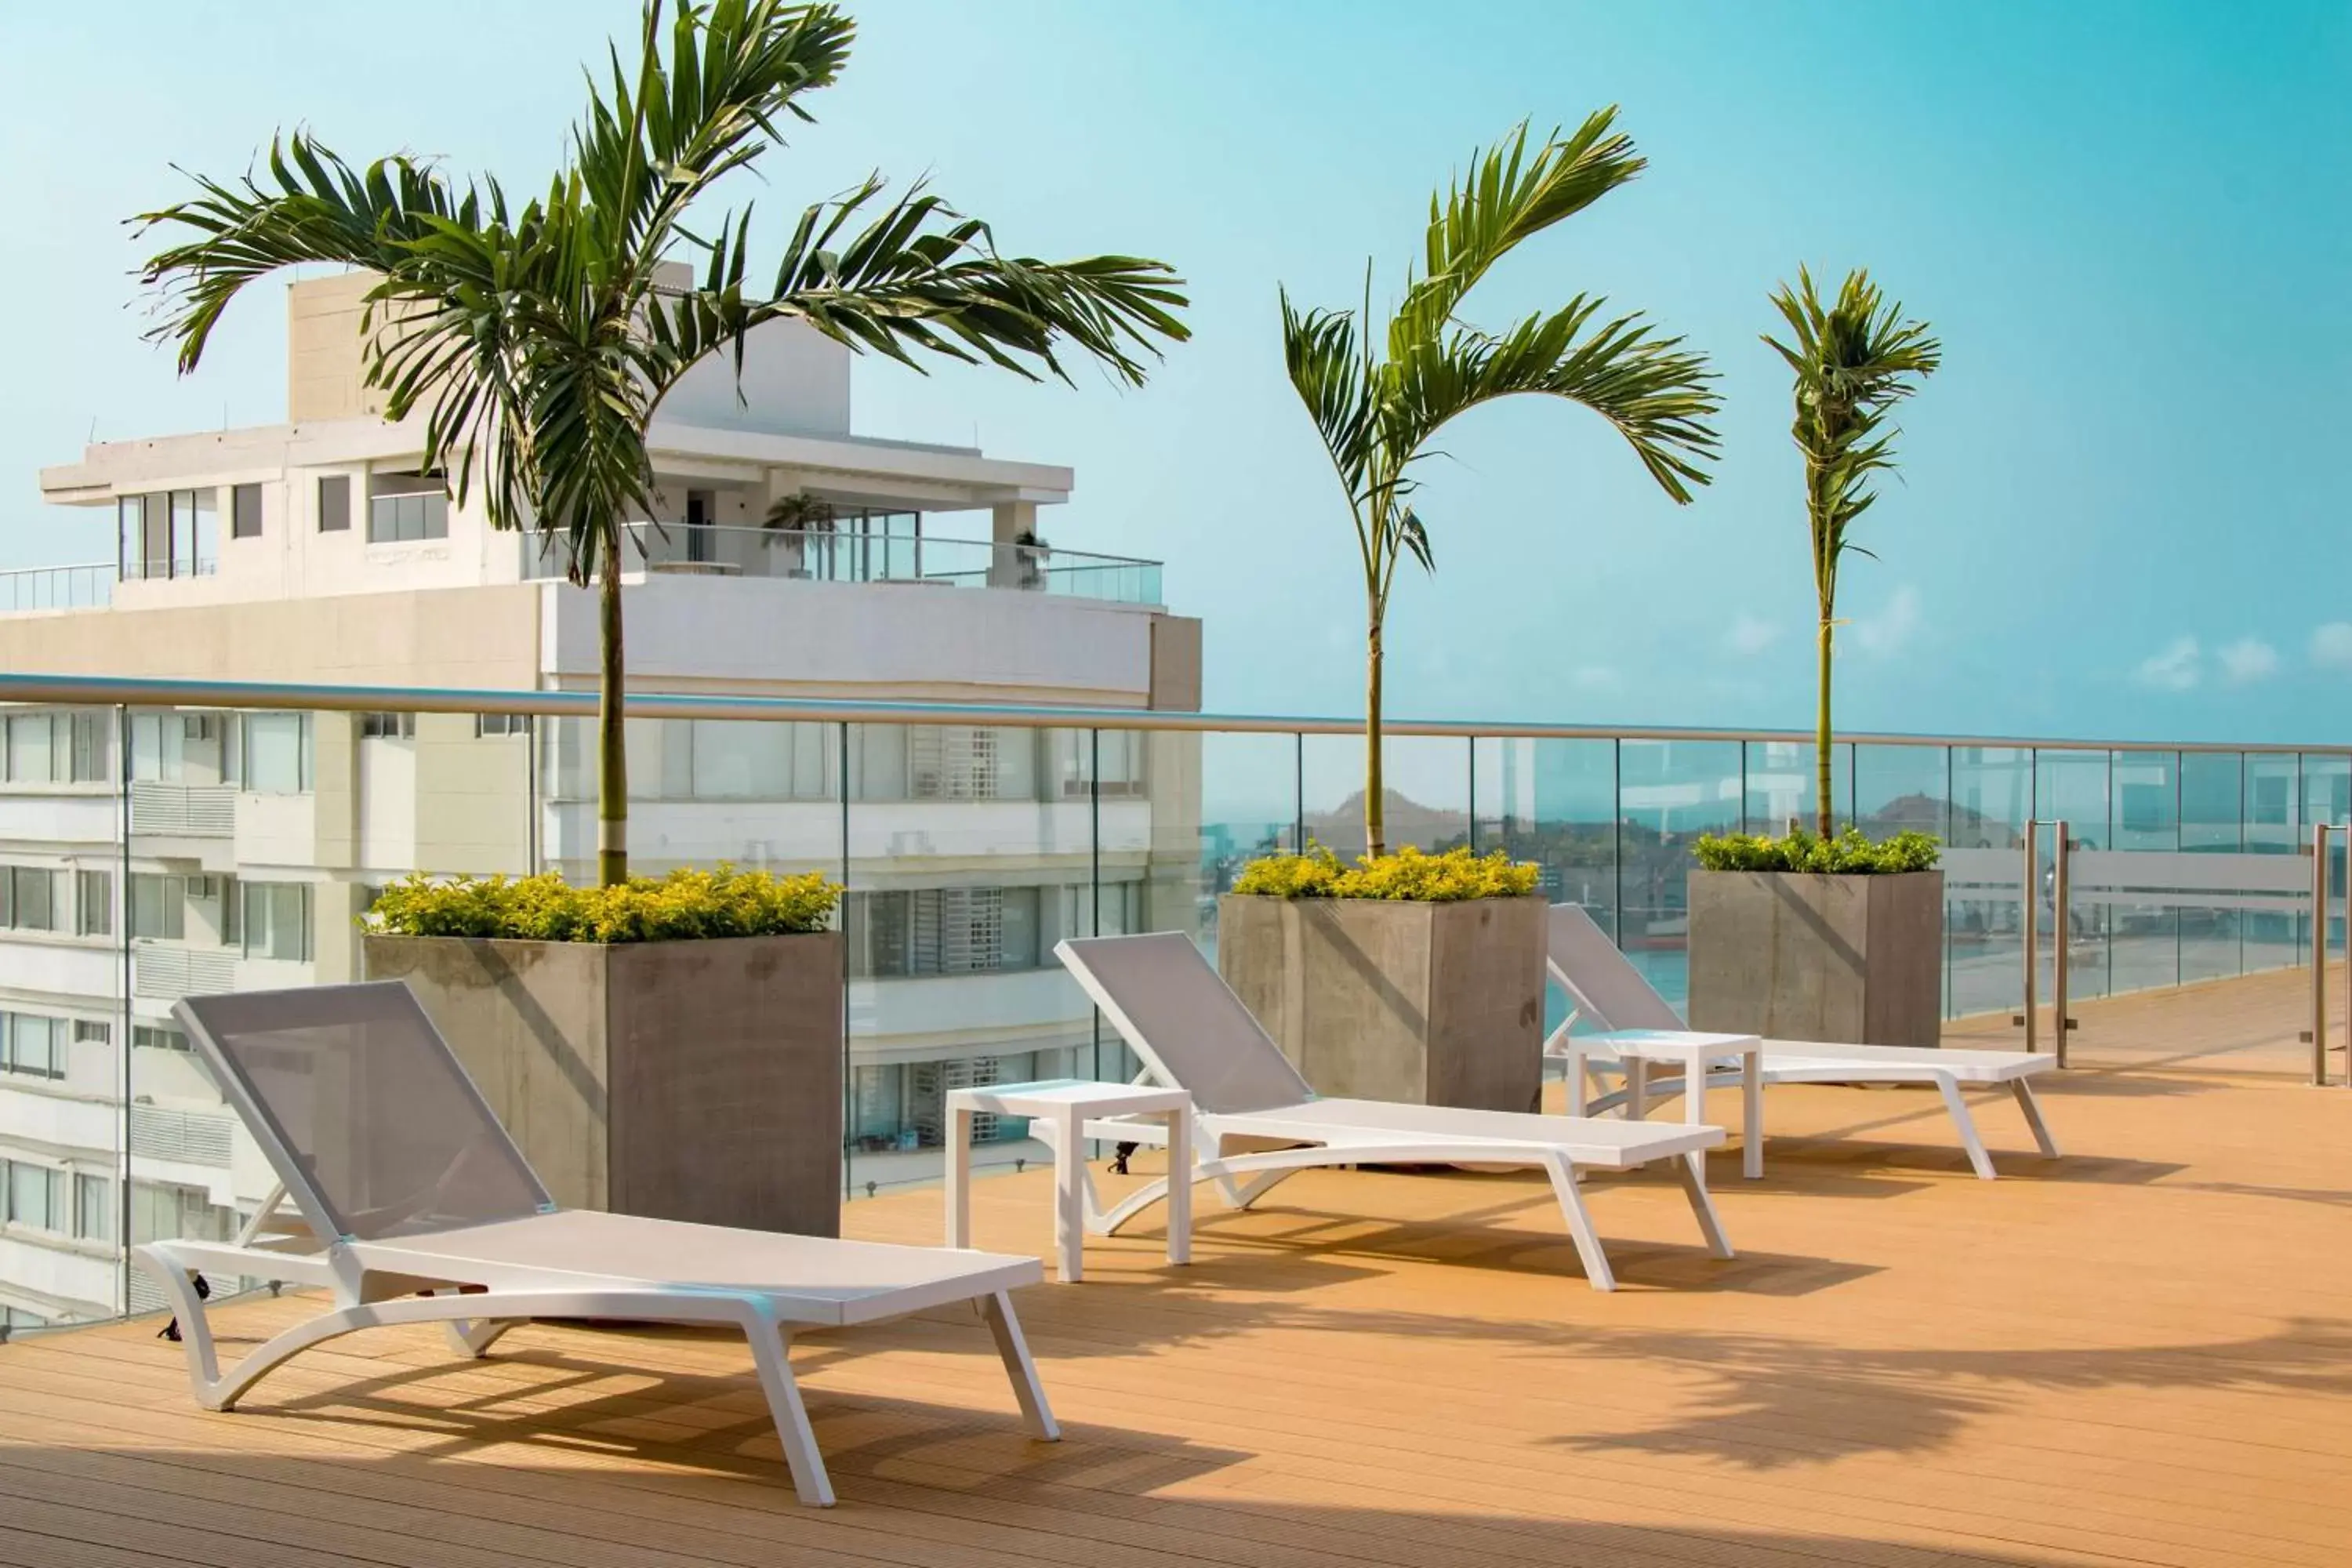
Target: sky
x=2122 y=508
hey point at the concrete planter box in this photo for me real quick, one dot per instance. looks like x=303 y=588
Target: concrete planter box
x=1794 y=956
x=1429 y=1003
x=692 y=1081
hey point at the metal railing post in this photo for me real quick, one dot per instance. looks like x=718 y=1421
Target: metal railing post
x=2062 y=933
x=2032 y=902
x=2317 y=1033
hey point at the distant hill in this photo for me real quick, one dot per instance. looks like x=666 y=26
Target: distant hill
x=1408 y=822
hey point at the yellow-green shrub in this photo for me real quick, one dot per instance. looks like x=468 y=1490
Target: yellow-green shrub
x=1408 y=876
x=681 y=907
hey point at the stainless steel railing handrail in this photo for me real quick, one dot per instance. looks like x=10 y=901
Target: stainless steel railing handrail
x=106 y=690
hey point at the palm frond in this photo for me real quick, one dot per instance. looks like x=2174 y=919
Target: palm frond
x=1504 y=199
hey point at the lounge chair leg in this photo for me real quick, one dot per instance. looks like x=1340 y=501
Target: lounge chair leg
x=1692 y=1168
x=2030 y=1103
x=1014 y=1349
x=1597 y=1271
x=473 y=1337
x=1243 y=1194
x=1950 y=1089
x=195 y=1329
x=771 y=1354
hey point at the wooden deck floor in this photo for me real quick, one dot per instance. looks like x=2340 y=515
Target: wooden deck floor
x=2141 y=1354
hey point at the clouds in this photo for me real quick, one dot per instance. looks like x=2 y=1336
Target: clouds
x=2182 y=664
x=2248 y=658
x=2179 y=668
x=1894 y=625
x=1749 y=636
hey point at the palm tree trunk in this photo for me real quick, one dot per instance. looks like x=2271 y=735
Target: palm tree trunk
x=1375 y=791
x=612 y=747
x=1822 y=799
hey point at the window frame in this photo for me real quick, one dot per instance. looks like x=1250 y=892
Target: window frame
x=245 y=512
x=334 y=517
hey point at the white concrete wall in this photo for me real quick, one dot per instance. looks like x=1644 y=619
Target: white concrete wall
x=87 y=969
x=908 y=640
x=795 y=381
x=50 y=816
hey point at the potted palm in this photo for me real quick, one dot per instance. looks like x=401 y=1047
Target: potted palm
x=1405 y=977
x=794 y=521
x=666 y=1047
x=1434 y=989
x=1819 y=936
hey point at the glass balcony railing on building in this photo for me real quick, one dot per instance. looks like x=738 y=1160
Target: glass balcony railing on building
x=863 y=555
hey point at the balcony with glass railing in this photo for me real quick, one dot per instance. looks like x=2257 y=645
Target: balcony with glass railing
x=972 y=838
x=855 y=555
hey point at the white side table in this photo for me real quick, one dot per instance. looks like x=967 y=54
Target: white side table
x=1066 y=1106
x=1693 y=1051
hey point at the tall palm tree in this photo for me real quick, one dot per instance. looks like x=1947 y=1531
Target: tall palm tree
x=1378 y=415
x=539 y=341
x=1853 y=359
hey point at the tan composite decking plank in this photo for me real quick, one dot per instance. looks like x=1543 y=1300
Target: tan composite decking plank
x=2140 y=1355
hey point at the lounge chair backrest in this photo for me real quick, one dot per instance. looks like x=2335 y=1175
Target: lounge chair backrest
x=1180 y=1017
x=362 y=1109
x=1606 y=986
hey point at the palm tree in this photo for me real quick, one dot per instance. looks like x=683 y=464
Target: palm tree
x=539 y=339
x=1854 y=361
x=1378 y=416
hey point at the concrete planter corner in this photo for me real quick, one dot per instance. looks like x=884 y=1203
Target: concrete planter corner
x=1425 y=1003
x=689 y=1080
x=1797 y=956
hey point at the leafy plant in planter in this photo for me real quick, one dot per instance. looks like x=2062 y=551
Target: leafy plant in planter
x=684 y=906
x=1848 y=854
x=1407 y=876
x=1378 y=416
x=538 y=341
x=1853 y=359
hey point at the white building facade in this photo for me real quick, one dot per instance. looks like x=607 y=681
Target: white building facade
x=150 y=854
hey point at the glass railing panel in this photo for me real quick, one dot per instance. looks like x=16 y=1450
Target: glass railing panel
x=1554 y=802
x=1781 y=785
x=2137 y=930
x=62 y=1018
x=1901 y=789
x=1669 y=793
x=1984 y=880
x=970 y=851
x=2328 y=797
x=2212 y=822
x=842 y=554
x=2274 y=825
x=1426 y=789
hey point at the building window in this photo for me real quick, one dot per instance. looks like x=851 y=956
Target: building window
x=93 y=1031
x=167 y=534
x=93 y=1207
x=387 y=726
x=277 y=751
x=488 y=724
x=94 y=903
x=37 y=1195
x=32 y=1045
x=159 y=906
x=160 y=1211
x=277 y=921
x=334 y=503
x=942 y=930
x=158 y=1037
x=28 y=897
x=401 y=519
x=244 y=513
x=93 y=748
x=35 y=752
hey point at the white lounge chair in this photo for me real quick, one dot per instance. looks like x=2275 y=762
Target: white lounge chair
x=1609 y=991
x=1193 y=1033
x=403 y=1181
